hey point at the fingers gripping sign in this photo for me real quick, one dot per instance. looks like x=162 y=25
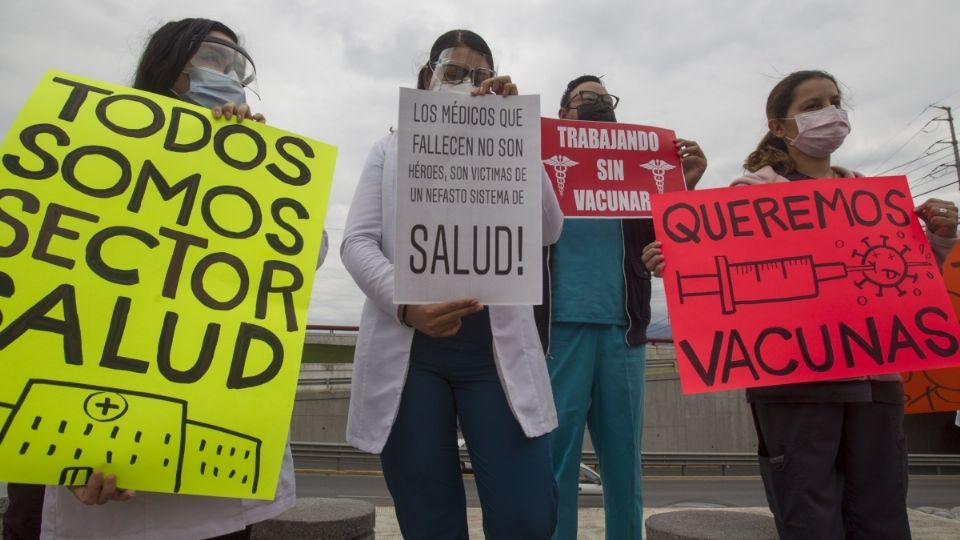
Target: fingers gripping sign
x=502 y=86
x=653 y=258
x=100 y=490
x=441 y=319
x=939 y=216
x=231 y=110
x=693 y=160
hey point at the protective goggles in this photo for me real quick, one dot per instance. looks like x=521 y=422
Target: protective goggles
x=449 y=71
x=228 y=58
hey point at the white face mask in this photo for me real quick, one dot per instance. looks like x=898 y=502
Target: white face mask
x=821 y=132
x=460 y=88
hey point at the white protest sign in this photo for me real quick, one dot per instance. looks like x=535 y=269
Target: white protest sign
x=468 y=199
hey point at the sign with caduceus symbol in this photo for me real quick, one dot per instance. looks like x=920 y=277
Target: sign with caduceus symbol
x=560 y=165
x=659 y=169
x=606 y=169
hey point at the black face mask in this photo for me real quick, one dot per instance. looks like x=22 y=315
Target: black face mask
x=596 y=112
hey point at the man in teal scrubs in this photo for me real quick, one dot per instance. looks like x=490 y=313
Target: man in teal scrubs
x=600 y=309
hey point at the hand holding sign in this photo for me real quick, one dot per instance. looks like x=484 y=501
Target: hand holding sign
x=101 y=489
x=653 y=258
x=501 y=85
x=692 y=159
x=230 y=109
x=940 y=217
x=443 y=319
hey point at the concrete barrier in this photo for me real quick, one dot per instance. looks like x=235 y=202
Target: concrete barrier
x=710 y=525
x=330 y=519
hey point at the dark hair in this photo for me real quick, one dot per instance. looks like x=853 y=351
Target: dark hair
x=772 y=150
x=169 y=49
x=453 y=38
x=565 y=99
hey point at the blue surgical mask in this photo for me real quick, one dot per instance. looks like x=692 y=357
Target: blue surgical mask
x=212 y=89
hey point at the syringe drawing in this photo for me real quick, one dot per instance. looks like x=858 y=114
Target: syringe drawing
x=799 y=277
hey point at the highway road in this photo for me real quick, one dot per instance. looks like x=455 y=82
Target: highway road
x=659 y=491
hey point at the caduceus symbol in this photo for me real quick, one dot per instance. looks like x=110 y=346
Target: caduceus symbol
x=659 y=168
x=560 y=165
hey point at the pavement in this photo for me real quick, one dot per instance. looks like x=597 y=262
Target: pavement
x=926 y=523
x=924 y=526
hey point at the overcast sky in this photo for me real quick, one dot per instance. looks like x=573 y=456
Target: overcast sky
x=330 y=71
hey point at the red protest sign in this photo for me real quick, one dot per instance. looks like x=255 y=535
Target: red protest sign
x=801 y=281
x=602 y=169
x=939 y=389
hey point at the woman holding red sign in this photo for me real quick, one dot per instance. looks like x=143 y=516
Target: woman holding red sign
x=832 y=454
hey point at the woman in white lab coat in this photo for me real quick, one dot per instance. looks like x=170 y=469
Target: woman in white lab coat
x=419 y=370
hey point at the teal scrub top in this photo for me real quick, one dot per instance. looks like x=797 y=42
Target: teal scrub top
x=587 y=273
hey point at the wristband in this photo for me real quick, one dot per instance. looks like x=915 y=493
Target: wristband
x=403 y=316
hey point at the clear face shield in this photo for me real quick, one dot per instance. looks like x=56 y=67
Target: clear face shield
x=460 y=67
x=224 y=65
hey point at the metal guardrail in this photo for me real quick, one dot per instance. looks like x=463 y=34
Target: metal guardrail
x=328 y=382
x=333 y=328
x=343 y=457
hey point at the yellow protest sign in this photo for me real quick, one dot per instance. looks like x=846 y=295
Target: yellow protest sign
x=155 y=270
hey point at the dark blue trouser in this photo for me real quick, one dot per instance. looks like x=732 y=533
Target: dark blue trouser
x=421 y=461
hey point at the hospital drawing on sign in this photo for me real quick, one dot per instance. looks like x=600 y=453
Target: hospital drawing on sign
x=877 y=264
x=69 y=430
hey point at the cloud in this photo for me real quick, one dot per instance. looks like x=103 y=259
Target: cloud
x=330 y=70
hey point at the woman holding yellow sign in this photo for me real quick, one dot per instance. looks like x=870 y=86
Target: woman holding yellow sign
x=198 y=61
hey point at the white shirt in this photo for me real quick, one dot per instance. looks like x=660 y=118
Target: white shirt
x=162 y=516
x=383 y=345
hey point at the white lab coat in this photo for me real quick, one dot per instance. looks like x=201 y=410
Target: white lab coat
x=383 y=345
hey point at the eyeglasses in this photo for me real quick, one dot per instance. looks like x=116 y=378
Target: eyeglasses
x=455 y=73
x=589 y=97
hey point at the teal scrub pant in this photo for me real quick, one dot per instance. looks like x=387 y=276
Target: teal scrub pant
x=599 y=381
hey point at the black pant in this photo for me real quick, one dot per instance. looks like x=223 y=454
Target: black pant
x=239 y=535
x=834 y=471
x=25 y=507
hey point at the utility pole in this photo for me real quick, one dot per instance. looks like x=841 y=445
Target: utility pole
x=953 y=140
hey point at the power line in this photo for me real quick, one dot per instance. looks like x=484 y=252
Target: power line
x=905 y=143
x=934 y=161
x=936 y=188
x=937 y=172
x=925 y=153
x=897 y=134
